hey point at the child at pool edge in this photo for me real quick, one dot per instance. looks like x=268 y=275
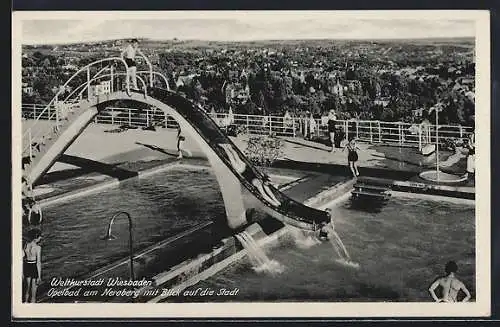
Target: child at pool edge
x=450 y=284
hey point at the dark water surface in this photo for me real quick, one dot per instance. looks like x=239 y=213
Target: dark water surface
x=161 y=206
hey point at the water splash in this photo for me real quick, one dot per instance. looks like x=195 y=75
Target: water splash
x=304 y=239
x=340 y=249
x=260 y=261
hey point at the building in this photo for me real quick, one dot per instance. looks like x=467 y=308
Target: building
x=100 y=89
x=28 y=90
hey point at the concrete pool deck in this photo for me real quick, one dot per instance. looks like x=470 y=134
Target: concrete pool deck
x=98 y=143
x=109 y=157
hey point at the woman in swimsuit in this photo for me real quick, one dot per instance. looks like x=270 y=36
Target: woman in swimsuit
x=180 y=138
x=32 y=264
x=352 y=156
x=331 y=128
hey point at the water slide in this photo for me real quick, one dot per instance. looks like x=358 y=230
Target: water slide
x=273 y=201
x=232 y=168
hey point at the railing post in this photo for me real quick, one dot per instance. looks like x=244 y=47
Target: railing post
x=129 y=117
x=112 y=116
x=147 y=117
x=346 y=127
x=30 y=142
x=400 y=138
x=461 y=131
x=88 y=82
x=420 y=137
x=379 y=132
x=248 y=125
x=371 y=133
x=111 y=87
x=293 y=127
x=57 y=106
x=357 y=129
x=270 y=118
x=34 y=111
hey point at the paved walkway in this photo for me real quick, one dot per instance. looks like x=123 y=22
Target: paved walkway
x=98 y=143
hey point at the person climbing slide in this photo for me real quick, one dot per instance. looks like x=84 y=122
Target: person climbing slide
x=235 y=160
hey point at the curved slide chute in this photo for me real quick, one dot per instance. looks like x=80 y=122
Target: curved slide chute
x=271 y=199
x=243 y=187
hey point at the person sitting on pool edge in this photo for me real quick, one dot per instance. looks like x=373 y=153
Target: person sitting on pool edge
x=450 y=285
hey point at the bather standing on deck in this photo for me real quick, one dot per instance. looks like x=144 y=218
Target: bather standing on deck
x=331 y=128
x=32 y=264
x=180 y=138
x=352 y=156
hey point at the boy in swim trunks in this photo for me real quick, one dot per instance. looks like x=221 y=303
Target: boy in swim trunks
x=32 y=264
x=450 y=284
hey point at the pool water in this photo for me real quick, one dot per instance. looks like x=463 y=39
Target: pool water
x=401 y=248
x=161 y=206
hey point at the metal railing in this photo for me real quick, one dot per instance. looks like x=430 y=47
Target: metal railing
x=58 y=108
x=398 y=133
x=33 y=133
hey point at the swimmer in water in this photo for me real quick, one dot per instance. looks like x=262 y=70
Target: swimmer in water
x=326 y=227
x=450 y=284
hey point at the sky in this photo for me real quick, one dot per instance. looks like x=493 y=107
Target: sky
x=239 y=26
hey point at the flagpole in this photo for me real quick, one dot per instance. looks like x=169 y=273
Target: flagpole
x=437 y=145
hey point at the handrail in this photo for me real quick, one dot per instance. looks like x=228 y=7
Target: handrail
x=84 y=84
x=150 y=66
x=76 y=74
x=83 y=90
x=157 y=73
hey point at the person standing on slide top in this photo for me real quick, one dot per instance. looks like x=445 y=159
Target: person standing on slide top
x=129 y=54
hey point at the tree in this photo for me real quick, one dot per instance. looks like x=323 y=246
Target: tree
x=261 y=102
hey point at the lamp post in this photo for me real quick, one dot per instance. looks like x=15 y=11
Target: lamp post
x=109 y=237
x=437 y=144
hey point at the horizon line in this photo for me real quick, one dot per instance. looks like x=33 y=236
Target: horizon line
x=255 y=40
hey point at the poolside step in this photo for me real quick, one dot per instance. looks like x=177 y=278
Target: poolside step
x=370 y=194
x=361 y=186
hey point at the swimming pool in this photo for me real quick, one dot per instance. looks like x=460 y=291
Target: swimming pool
x=161 y=206
x=401 y=250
